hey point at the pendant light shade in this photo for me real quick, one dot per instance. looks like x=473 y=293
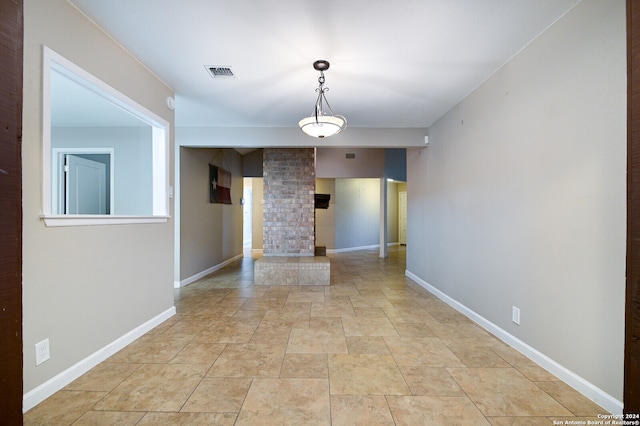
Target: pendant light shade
x=322 y=124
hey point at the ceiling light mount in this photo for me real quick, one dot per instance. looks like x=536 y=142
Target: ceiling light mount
x=321 y=65
x=320 y=124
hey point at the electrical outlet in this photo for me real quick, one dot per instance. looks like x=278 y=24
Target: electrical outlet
x=515 y=315
x=42 y=351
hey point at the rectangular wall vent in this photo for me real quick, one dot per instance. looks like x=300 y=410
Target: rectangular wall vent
x=218 y=71
x=350 y=155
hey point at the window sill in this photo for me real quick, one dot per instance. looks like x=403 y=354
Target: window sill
x=93 y=220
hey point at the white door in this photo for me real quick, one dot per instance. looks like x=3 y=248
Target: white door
x=85 y=186
x=402 y=217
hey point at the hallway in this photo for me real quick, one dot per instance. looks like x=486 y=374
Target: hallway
x=374 y=348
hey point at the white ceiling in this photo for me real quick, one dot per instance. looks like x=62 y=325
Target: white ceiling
x=394 y=63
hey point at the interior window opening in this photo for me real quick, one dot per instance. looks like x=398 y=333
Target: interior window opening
x=86 y=126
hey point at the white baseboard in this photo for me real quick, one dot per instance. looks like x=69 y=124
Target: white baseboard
x=344 y=250
x=196 y=277
x=371 y=247
x=51 y=386
x=586 y=388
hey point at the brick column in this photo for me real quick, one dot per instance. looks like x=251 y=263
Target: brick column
x=289 y=188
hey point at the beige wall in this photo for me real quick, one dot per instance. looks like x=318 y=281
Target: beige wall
x=84 y=287
x=392 y=212
x=519 y=199
x=332 y=163
x=257 y=214
x=326 y=218
x=209 y=233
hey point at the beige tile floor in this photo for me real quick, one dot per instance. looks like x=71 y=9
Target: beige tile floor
x=372 y=349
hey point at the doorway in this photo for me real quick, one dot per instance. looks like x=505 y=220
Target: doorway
x=83 y=182
x=85 y=189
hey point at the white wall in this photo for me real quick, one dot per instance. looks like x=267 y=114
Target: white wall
x=287 y=137
x=209 y=233
x=84 y=287
x=519 y=199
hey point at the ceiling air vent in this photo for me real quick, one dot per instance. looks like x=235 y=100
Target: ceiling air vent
x=220 y=71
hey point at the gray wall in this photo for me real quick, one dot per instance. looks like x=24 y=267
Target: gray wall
x=209 y=233
x=355 y=206
x=357 y=213
x=252 y=164
x=395 y=163
x=84 y=287
x=519 y=199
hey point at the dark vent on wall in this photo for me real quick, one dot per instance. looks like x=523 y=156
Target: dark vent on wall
x=322 y=201
x=220 y=71
x=350 y=155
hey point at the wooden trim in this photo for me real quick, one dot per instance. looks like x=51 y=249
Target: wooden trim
x=632 y=304
x=11 y=48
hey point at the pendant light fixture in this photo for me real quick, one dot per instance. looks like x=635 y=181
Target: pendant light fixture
x=320 y=124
